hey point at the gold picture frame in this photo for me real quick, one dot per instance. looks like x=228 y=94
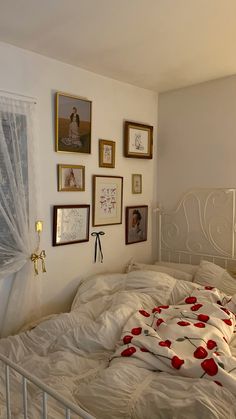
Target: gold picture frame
x=73 y=124
x=71 y=178
x=107 y=151
x=138 y=140
x=136 y=183
x=107 y=200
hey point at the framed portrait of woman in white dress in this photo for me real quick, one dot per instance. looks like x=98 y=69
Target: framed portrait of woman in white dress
x=73 y=124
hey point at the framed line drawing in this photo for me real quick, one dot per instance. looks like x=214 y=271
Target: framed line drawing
x=107 y=153
x=136 y=183
x=138 y=140
x=107 y=200
x=136 y=222
x=73 y=124
x=70 y=224
x=71 y=177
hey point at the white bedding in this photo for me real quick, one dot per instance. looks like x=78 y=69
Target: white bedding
x=74 y=353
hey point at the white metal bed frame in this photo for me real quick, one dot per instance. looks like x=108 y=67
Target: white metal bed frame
x=46 y=391
x=202 y=226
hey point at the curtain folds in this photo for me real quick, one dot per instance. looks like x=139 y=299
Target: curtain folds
x=18 y=212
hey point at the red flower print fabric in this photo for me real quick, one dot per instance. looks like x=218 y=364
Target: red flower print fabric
x=190 y=339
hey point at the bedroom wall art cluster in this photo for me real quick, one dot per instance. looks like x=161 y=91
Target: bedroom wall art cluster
x=73 y=135
x=112 y=103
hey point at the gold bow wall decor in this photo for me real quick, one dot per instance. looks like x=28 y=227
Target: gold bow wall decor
x=36 y=258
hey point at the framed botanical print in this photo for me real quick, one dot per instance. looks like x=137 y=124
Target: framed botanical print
x=71 y=177
x=138 y=140
x=136 y=184
x=107 y=153
x=136 y=222
x=107 y=200
x=73 y=124
x=70 y=224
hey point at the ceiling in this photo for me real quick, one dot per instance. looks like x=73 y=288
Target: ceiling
x=156 y=44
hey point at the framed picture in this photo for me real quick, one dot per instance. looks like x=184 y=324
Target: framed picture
x=136 y=222
x=136 y=183
x=138 y=140
x=107 y=200
x=107 y=153
x=71 y=177
x=73 y=124
x=70 y=224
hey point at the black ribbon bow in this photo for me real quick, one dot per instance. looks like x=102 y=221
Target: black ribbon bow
x=98 y=245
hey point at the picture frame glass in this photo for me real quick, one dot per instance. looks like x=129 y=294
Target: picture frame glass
x=138 y=140
x=107 y=203
x=73 y=124
x=71 y=224
x=136 y=224
x=107 y=154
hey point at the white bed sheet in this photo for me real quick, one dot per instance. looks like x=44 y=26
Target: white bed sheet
x=71 y=353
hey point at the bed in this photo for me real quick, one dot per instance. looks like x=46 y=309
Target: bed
x=155 y=342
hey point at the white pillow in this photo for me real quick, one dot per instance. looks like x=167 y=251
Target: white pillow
x=184 y=267
x=210 y=274
x=133 y=266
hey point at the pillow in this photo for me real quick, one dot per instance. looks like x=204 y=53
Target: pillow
x=184 y=267
x=210 y=274
x=134 y=266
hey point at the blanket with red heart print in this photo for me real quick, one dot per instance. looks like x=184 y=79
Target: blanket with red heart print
x=190 y=339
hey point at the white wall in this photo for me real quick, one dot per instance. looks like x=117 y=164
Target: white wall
x=196 y=139
x=112 y=102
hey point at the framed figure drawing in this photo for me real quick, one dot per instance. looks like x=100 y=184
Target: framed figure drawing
x=107 y=153
x=71 y=177
x=73 y=124
x=136 y=183
x=107 y=200
x=70 y=224
x=136 y=222
x=138 y=140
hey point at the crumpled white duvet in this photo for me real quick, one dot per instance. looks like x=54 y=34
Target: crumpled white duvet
x=74 y=354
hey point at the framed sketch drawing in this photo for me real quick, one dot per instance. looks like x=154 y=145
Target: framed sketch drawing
x=136 y=183
x=138 y=140
x=107 y=200
x=71 y=177
x=73 y=124
x=107 y=153
x=136 y=222
x=70 y=224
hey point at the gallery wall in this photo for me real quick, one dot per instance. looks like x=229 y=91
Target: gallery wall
x=196 y=139
x=113 y=102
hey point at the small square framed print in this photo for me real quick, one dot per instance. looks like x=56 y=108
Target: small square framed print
x=107 y=153
x=138 y=140
x=136 y=183
x=73 y=124
x=107 y=200
x=71 y=178
x=136 y=222
x=70 y=224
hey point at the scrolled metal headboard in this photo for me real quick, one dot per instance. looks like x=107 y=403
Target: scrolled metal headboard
x=201 y=227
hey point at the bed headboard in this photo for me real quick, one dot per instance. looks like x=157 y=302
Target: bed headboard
x=201 y=227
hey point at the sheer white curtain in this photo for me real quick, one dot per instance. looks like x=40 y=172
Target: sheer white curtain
x=18 y=206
